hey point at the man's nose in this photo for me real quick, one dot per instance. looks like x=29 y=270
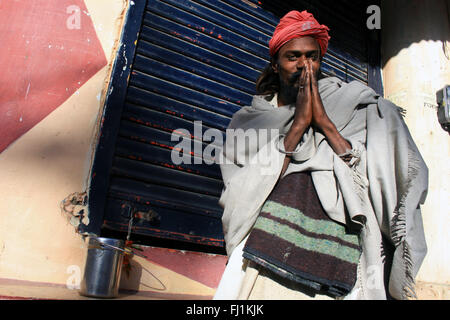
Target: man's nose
x=301 y=62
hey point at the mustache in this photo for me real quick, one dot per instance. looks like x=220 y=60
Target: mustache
x=294 y=77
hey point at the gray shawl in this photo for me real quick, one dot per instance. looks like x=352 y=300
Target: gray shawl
x=381 y=190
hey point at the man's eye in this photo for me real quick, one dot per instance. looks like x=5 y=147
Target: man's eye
x=292 y=58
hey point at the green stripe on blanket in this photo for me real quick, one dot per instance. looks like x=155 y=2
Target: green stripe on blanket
x=297 y=217
x=312 y=244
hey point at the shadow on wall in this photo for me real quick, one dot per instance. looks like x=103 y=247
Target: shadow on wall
x=405 y=25
x=405 y=22
x=135 y=277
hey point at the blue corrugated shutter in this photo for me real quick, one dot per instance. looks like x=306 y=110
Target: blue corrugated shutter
x=198 y=61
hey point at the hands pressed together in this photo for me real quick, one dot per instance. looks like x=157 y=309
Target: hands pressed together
x=309 y=111
x=309 y=108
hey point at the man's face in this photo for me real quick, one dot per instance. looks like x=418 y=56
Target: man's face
x=291 y=62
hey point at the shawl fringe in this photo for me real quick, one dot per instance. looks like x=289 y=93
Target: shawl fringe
x=398 y=227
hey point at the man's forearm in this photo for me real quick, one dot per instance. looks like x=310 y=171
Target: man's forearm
x=295 y=133
x=291 y=140
x=334 y=138
x=322 y=122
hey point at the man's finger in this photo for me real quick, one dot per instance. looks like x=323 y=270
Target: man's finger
x=314 y=83
x=308 y=81
x=302 y=79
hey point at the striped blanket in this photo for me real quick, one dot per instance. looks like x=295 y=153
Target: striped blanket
x=294 y=238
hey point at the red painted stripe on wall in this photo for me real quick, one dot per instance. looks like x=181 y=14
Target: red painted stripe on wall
x=49 y=50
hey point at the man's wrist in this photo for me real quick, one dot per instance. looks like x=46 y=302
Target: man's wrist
x=294 y=135
x=327 y=127
x=299 y=126
x=335 y=139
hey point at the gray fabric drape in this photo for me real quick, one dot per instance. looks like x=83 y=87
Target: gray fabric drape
x=381 y=190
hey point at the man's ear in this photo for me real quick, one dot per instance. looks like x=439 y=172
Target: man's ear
x=274 y=64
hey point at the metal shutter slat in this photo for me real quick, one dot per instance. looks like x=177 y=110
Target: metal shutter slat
x=191 y=65
x=189 y=49
x=208 y=29
x=139 y=170
x=183 y=94
x=216 y=18
x=190 y=80
x=204 y=41
x=161 y=156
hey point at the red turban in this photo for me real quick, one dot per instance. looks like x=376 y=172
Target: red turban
x=298 y=24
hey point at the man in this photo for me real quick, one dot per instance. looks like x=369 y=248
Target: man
x=330 y=208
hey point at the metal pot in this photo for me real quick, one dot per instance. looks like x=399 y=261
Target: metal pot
x=103 y=268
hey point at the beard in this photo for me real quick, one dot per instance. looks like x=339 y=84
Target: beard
x=288 y=92
x=289 y=88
